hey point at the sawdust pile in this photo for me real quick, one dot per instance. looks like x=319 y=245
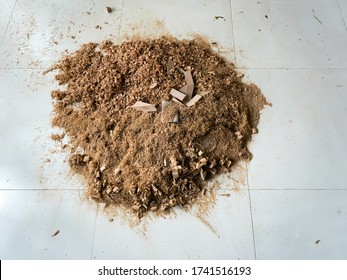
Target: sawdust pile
x=152 y=161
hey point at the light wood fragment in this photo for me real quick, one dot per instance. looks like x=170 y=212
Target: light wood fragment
x=192 y=101
x=184 y=89
x=190 y=84
x=178 y=102
x=144 y=107
x=177 y=94
x=153 y=85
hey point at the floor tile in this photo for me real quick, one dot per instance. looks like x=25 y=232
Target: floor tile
x=29 y=219
x=234 y=180
x=182 y=19
x=225 y=234
x=294 y=34
x=29 y=158
x=301 y=140
x=296 y=178
x=307 y=224
x=41 y=30
x=5 y=14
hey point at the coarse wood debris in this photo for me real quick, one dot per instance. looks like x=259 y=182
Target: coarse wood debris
x=133 y=145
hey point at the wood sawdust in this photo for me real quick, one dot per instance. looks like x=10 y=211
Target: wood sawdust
x=157 y=159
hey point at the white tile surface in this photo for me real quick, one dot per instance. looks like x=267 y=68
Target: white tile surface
x=301 y=140
x=299 y=34
x=299 y=149
x=41 y=30
x=302 y=218
x=29 y=158
x=235 y=180
x=343 y=8
x=182 y=19
x=5 y=14
x=28 y=219
x=182 y=237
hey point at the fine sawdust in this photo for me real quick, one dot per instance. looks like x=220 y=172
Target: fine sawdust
x=152 y=161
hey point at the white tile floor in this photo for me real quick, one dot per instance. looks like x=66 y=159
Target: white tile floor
x=289 y=202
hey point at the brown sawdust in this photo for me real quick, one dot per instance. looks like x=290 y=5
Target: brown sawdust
x=131 y=158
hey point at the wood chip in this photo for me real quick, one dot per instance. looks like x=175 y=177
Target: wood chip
x=152 y=86
x=177 y=94
x=56 y=233
x=189 y=92
x=184 y=89
x=176 y=119
x=203 y=174
x=213 y=163
x=192 y=101
x=190 y=84
x=238 y=135
x=175 y=173
x=116 y=171
x=144 y=107
x=178 y=102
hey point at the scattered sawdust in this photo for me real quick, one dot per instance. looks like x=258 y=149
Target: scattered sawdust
x=144 y=162
x=57 y=137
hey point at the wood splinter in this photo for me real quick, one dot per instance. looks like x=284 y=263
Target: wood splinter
x=56 y=233
x=192 y=101
x=177 y=94
x=185 y=95
x=144 y=107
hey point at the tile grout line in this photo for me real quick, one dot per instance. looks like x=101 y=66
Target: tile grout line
x=232 y=29
x=250 y=210
x=120 y=22
x=8 y=24
x=96 y=216
x=343 y=19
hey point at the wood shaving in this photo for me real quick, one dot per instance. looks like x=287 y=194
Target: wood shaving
x=153 y=161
